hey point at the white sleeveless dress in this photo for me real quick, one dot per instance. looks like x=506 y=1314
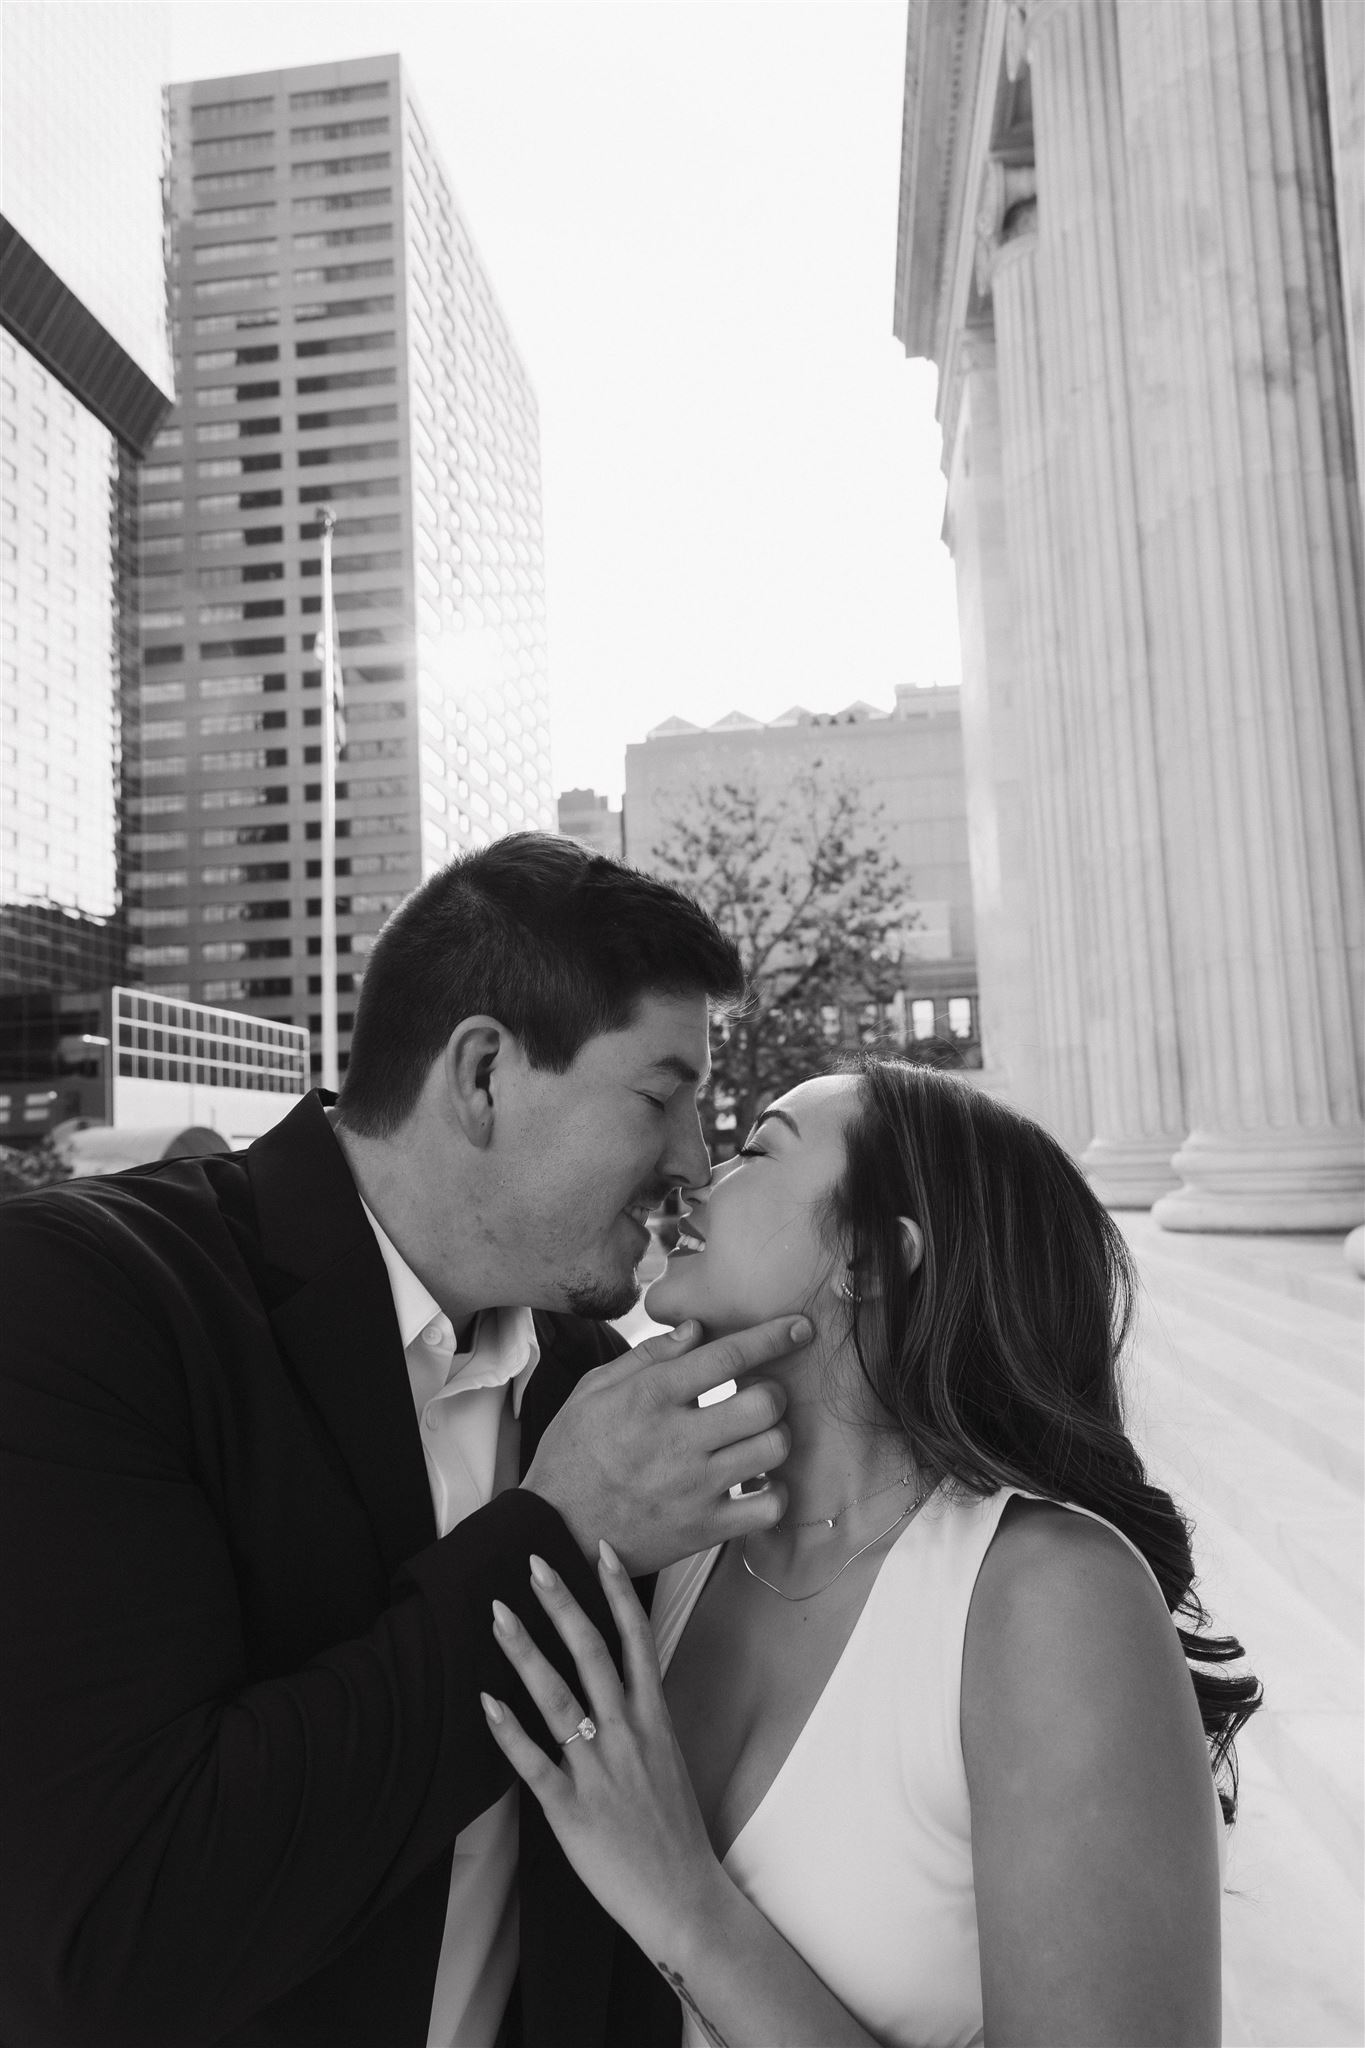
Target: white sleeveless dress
x=860 y=1852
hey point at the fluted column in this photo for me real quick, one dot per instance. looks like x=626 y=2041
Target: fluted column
x=1058 y=918
x=987 y=607
x=1252 y=548
x=1133 y=1056
x=1343 y=36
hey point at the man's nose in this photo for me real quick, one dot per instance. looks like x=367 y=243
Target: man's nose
x=689 y=1161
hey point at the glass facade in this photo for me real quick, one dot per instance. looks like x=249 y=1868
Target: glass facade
x=85 y=376
x=80 y=94
x=337 y=343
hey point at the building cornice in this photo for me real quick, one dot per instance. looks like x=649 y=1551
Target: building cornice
x=942 y=64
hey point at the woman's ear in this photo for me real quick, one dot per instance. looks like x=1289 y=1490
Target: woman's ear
x=913 y=1238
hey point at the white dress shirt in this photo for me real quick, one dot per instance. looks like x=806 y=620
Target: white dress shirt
x=470 y=1439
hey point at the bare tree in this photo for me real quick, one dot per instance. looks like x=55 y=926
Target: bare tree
x=819 y=907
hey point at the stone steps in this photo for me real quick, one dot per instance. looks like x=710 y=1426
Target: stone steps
x=1246 y=1400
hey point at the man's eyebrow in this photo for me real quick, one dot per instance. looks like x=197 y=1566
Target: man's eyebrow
x=782 y=1117
x=681 y=1070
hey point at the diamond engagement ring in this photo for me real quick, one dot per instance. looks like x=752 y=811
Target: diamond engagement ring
x=587 y=1728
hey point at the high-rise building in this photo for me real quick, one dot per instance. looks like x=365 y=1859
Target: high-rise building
x=85 y=378
x=337 y=343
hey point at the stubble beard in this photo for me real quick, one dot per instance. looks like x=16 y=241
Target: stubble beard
x=602 y=1301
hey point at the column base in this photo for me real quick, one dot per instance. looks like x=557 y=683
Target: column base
x=1268 y=1181
x=1131 y=1173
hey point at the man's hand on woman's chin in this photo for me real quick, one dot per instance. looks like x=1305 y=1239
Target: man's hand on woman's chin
x=632 y=1458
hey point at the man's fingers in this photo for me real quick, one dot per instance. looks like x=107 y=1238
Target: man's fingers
x=734 y=1463
x=748 y=1413
x=682 y=1379
x=745 y=1514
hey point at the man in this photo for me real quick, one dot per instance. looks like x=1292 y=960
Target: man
x=262 y=1426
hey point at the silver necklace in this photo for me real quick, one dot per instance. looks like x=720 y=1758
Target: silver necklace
x=828 y=1521
x=794 y=1599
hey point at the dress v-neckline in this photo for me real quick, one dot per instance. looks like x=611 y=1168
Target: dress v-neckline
x=825 y=1689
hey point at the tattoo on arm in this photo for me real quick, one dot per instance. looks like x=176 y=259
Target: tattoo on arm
x=711 y=2032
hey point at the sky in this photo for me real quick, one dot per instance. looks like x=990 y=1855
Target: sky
x=688 y=210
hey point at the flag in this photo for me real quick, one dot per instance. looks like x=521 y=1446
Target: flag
x=338 y=688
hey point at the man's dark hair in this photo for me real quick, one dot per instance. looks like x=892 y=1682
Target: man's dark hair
x=556 y=942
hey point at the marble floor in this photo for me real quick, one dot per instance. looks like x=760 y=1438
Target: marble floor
x=1245 y=1394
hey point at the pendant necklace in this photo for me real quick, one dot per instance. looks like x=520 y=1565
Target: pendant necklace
x=794 y=1599
x=828 y=1521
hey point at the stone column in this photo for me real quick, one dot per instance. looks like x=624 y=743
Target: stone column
x=1343 y=35
x=1252 y=546
x=996 y=833
x=1057 y=920
x=1133 y=1056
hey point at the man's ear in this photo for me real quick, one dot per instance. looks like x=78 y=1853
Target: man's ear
x=472 y=1053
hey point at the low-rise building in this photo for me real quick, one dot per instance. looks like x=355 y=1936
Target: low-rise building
x=590 y=819
x=134 y=1060
x=906 y=764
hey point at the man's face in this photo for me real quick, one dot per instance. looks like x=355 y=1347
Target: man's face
x=588 y=1153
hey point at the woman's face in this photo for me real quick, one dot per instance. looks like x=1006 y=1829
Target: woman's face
x=750 y=1247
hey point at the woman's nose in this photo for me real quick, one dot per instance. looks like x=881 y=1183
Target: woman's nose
x=698 y=1197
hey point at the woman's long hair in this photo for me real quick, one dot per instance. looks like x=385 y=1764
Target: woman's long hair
x=998 y=1357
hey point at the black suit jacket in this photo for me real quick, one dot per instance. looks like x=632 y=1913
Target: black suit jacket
x=239 y=1717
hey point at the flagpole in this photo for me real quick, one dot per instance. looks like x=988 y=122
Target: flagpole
x=327 y=518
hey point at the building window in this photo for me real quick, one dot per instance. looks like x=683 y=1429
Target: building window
x=343 y=202
x=339 y=95
x=209 y=113
x=343 y=309
x=341 y=131
x=922 y=1017
x=960 y=1016
x=340 y=166
x=248 y=252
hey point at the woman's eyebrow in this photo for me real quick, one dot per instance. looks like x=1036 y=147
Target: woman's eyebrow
x=781 y=1116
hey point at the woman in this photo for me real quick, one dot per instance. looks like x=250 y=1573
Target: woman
x=930 y=1763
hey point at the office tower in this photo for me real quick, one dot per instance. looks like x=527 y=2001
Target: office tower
x=337 y=343
x=85 y=378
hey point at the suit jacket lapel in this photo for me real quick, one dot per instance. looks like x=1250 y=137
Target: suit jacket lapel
x=332 y=1314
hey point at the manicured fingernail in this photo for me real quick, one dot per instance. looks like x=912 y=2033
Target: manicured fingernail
x=800 y=1331
x=490 y=1706
x=542 y=1574
x=504 y=1621
x=610 y=1561
x=684 y=1333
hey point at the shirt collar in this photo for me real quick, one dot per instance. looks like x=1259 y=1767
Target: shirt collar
x=504 y=1339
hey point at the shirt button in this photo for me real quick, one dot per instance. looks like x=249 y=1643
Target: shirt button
x=432 y=1334
x=431 y=1419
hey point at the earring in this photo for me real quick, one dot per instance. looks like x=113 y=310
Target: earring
x=845 y=1288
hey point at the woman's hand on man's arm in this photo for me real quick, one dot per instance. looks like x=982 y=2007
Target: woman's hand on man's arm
x=622 y=1806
